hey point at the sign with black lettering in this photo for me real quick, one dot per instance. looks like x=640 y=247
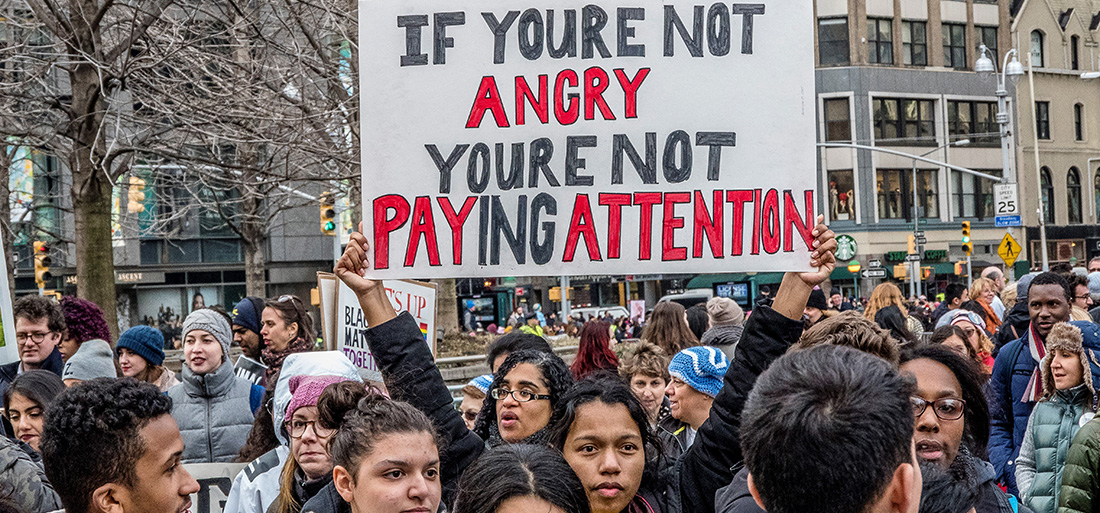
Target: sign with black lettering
x=215 y=480
x=505 y=139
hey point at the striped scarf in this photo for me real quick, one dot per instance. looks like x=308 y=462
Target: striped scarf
x=1038 y=350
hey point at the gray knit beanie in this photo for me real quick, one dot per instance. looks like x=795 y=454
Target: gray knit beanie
x=213 y=323
x=93 y=359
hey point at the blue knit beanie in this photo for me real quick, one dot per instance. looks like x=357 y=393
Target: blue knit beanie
x=701 y=367
x=247 y=313
x=145 y=341
x=482 y=383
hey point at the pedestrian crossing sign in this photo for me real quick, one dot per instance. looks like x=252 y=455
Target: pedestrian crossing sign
x=1009 y=249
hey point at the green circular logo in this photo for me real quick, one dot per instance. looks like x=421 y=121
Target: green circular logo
x=845 y=247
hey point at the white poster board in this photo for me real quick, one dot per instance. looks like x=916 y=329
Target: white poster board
x=417 y=298
x=570 y=137
x=215 y=480
x=9 y=351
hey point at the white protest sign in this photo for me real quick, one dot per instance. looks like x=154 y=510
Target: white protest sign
x=414 y=297
x=9 y=352
x=566 y=137
x=215 y=480
x=1004 y=196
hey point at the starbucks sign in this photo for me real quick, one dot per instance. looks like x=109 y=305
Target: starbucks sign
x=845 y=247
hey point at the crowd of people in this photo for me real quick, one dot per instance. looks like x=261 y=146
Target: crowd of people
x=794 y=407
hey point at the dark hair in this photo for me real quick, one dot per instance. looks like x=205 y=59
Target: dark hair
x=946 y=491
x=844 y=421
x=953 y=292
x=291 y=309
x=976 y=427
x=33 y=308
x=92 y=436
x=1076 y=280
x=553 y=370
x=594 y=352
x=892 y=319
x=698 y=319
x=1050 y=278
x=40 y=386
x=610 y=391
x=84 y=320
x=945 y=332
x=362 y=417
x=515 y=341
x=262 y=437
x=667 y=329
x=851 y=329
x=520 y=470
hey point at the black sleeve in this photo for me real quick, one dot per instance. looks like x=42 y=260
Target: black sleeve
x=707 y=464
x=410 y=373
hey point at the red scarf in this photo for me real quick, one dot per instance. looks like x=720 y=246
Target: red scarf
x=1038 y=350
x=274 y=359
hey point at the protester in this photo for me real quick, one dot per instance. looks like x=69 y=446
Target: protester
x=668 y=328
x=92 y=360
x=140 y=353
x=1068 y=394
x=500 y=348
x=726 y=325
x=994 y=274
x=308 y=468
x=258 y=486
x=974 y=326
x=23 y=483
x=473 y=397
x=953 y=297
x=838 y=302
x=83 y=322
x=1082 y=299
x=645 y=368
x=213 y=406
x=286 y=329
x=386 y=455
x=1080 y=491
x=817 y=308
x=39 y=325
x=952 y=422
x=26 y=401
x=1016 y=383
x=594 y=352
x=956 y=339
x=520 y=478
x=983 y=292
x=110 y=445
x=247 y=325
x=531 y=325
x=698 y=320
x=893 y=319
x=695 y=379
x=521 y=399
x=887 y=294
x=809 y=409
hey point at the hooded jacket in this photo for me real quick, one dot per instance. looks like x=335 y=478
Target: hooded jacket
x=256 y=487
x=214 y=412
x=1080 y=492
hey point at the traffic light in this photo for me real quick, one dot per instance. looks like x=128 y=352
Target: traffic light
x=901 y=271
x=960 y=268
x=967 y=246
x=328 y=213
x=926 y=272
x=911 y=244
x=136 y=195
x=42 y=263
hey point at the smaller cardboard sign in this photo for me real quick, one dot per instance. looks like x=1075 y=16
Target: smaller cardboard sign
x=215 y=480
x=250 y=369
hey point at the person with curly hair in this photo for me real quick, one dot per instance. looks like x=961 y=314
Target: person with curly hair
x=112 y=445
x=83 y=322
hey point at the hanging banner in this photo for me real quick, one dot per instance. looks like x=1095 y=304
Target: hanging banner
x=505 y=139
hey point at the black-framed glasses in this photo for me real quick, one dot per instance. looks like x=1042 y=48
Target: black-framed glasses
x=523 y=396
x=297 y=428
x=946 y=408
x=37 y=338
x=1082 y=296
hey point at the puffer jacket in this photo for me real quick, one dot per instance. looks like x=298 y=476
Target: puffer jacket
x=1050 y=430
x=1080 y=492
x=1008 y=414
x=214 y=414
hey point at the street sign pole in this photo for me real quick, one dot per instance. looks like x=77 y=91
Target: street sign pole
x=969 y=273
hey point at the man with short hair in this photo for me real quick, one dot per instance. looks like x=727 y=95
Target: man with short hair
x=1016 y=384
x=39 y=326
x=953 y=297
x=246 y=327
x=838 y=302
x=998 y=278
x=813 y=404
x=111 y=445
x=1094 y=264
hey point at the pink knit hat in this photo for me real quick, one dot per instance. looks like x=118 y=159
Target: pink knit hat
x=306 y=390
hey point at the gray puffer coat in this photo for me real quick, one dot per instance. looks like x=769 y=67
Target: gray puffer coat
x=214 y=414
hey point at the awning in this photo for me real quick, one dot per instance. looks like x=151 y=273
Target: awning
x=706 y=281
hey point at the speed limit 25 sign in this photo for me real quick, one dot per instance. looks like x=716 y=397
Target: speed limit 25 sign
x=1004 y=200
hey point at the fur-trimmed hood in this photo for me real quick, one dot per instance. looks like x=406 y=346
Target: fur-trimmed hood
x=1081 y=338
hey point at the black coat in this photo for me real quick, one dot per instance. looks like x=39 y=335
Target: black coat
x=1013 y=327
x=328 y=500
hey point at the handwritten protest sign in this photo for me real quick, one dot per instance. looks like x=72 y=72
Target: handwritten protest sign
x=215 y=480
x=564 y=137
x=8 y=350
x=415 y=297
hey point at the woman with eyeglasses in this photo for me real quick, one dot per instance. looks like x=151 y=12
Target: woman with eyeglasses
x=951 y=420
x=1067 y=404
x=286 y=328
